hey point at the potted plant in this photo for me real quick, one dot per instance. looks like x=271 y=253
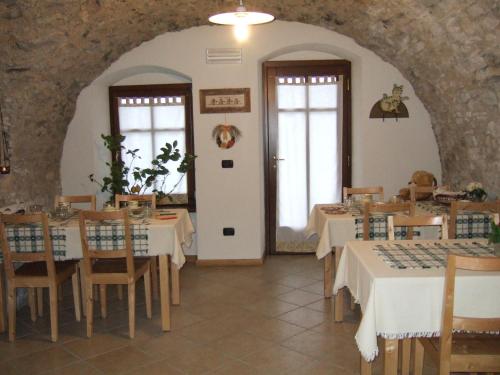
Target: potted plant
x=130 y=179
x=494 y=237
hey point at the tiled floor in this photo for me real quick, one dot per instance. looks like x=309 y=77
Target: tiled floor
x=238 y=320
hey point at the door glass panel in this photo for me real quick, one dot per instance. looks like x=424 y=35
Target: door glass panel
x=134 y=118
x=170 y=136
x=324 y=175
x=308 y=142
x=169 y=117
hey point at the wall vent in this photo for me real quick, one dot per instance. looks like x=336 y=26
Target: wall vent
x=223 y=55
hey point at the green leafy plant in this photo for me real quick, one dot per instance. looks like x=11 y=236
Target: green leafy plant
x=120 y=175
x=495 y=233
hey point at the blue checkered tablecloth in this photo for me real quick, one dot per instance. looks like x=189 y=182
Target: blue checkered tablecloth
x=29 y=238
x=378 y=228
x=427 y=255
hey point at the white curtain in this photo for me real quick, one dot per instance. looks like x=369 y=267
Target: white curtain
x=309 y=141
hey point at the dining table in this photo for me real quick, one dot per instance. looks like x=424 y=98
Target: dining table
x=335 y=224
x=164 y=234
x=399 y=286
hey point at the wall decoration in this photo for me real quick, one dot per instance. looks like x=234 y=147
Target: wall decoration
x=226 y=135
x=225 y=100
x=391 y=106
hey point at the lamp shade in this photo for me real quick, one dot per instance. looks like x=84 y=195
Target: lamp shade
x=241 y=17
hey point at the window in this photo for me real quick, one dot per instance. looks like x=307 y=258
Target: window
x=149 y=116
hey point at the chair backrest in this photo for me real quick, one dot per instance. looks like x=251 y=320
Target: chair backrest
x=132 y=197
x=76 y=199
x=417 y=221
x=348 y=191
x=449 y=321
x=493 y=207
x=407 y=208
x=92 y=222
x=32 y=241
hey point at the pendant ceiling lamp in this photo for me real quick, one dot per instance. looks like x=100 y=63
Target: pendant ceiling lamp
x=241 y=17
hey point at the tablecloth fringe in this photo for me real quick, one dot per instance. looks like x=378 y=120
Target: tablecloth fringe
x=407 y=335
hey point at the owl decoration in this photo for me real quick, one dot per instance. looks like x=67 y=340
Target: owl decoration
x=226 y=135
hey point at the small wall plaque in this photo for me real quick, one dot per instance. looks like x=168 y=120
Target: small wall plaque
x=225 y=100
x=391 y=106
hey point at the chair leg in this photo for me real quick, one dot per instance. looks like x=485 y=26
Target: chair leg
x=83 y=287
x=39 y=296
x=154 y=277
x=11 y=302
x=103 y=302
x=119 y=292
x=418 y=361
x=89 y=303
x=405 y=356
x=2 y=311
x=32 y=303
x=53 y=296
x=131 y=309
x=60 y=292
x=96 y=292
x=147 y=291
x=76 y=295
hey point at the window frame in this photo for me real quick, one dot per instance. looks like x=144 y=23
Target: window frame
x=176 y=89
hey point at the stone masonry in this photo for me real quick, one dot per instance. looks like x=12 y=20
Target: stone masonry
x=51 y=49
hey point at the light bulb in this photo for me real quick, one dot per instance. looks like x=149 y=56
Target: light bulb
x=241 y=32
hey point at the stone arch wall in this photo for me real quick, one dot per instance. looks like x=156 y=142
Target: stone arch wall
x=50 y=50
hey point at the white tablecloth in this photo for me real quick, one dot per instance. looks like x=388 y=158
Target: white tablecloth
x=163 y=237
x=407 y=303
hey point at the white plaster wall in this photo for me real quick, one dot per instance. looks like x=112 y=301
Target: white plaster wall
x=384 y=153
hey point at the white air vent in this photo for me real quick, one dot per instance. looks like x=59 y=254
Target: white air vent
x=223 y=55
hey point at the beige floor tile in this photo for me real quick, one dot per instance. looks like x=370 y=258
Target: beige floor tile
x=155 y=368
x=239 y=344
x=167 y=345
x=274 y=329
x=304 y=317
x=22 y=346
x=324 y=305
x=78 y=368
x=276 y=359
x=299 y=297
x=45 y=360
x=295 y=281
x=312 y=344
x=198 y=360
x=8 y=369
x=234 y=368
x=270 y=307
x=207 y=331
x=120 y=360
x=99 y=343
x=214 y=309
x=317 y=287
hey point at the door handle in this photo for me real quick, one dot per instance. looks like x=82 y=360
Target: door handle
x=277 y=158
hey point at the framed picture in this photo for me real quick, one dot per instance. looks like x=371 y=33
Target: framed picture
x=225 y=100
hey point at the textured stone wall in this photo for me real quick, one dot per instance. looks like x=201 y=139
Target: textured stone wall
x=51 y=49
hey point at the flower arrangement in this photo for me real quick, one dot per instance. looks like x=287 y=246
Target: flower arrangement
x=476 y=192
x=121 y=175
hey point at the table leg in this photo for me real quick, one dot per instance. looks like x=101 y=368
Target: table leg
x=176 y=285
x=366 y=367
x=164 y=293
x=83 y=287
x=339 y=298
x=391 y=357
x=405 y=356
x=327 y=276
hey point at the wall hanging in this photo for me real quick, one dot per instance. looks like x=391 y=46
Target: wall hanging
x=226 y=135
x=391 y=106
x=225 y=100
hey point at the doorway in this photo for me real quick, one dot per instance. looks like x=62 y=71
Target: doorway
x=307 y=134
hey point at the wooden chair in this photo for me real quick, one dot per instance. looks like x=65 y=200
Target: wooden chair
x=493 y=207
x=417 y=221
x=76 y=199
x=154 y=260
x=39 y=270
x=131 y=197
x=117 y=266
x=462 y=352
x=348 y=191
x=407 y=207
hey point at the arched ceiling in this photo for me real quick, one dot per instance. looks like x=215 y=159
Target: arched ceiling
x=50 y=50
